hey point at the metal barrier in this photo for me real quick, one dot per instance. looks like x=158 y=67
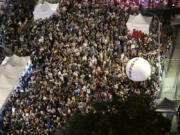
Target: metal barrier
x=166 y=66
x=164 y=73
x=177 y=87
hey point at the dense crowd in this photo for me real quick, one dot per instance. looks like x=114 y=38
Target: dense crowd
x=78 y=56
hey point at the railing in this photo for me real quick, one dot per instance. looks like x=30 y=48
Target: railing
x=166 y=66
x=178 y=80
x=165 y=69
x=177 y=87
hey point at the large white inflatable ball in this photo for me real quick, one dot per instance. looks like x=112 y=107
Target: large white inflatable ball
x=138 y=69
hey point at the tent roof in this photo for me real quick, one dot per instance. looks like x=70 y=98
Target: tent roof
x=10 y=70
x=167 y=105
x=44 y=10
x=139 y=22
x=139 y=19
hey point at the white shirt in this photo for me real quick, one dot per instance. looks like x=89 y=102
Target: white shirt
x=59 y=73
x=132 y=46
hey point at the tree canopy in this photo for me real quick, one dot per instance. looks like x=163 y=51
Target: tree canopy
x=134 y=115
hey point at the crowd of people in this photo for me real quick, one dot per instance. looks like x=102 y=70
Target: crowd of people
x=78 y=55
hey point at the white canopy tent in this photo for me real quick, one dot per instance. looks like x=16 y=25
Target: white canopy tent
x=139 y=22
x=44 y=10
x=10 y=71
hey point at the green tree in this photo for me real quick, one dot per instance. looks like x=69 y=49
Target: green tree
x=134 y=115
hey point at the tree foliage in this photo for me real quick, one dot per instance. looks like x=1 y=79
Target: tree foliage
x=134 y=115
